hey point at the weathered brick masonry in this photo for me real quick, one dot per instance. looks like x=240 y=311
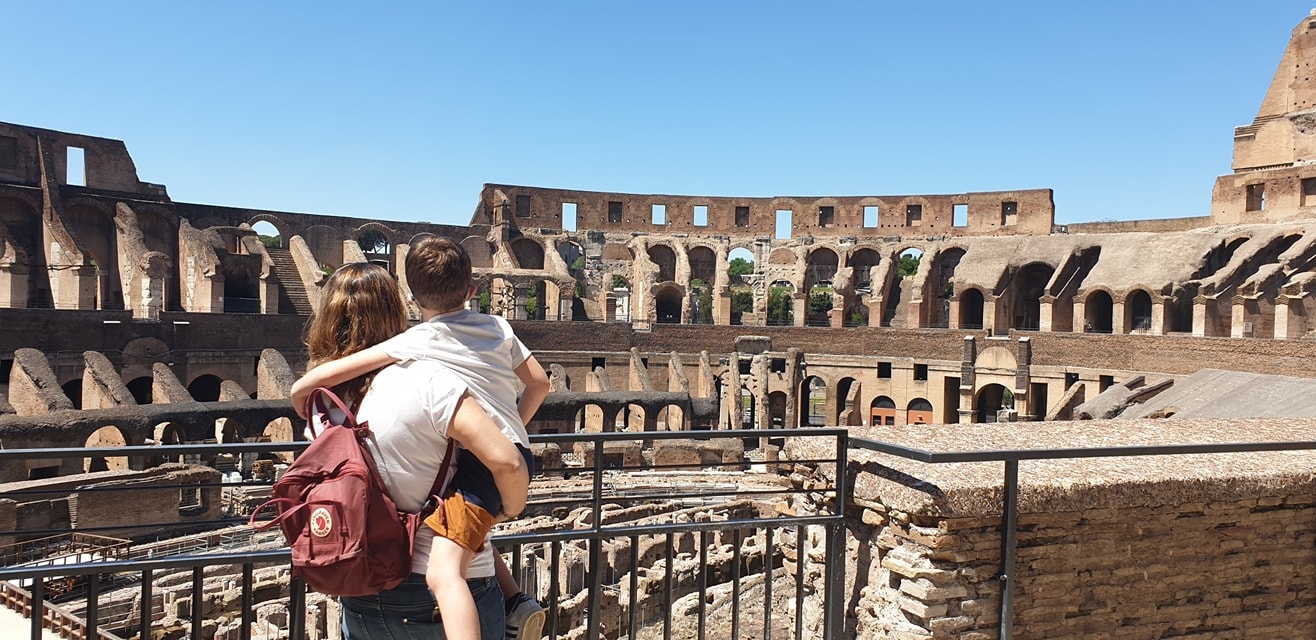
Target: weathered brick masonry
x=1204 y=546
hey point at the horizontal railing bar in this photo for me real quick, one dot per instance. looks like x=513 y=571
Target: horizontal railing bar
x=611 y=436
x=1003 y=455
x=153 y=450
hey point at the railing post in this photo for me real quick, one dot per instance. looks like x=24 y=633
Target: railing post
x=596 y=547
x=834 y=617
x=1009 y=527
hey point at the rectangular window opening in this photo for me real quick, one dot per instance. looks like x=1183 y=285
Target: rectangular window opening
x=914 y=215
x=778 y=365
x=76 y=174
x=1256 y=197
x=614 y=211
x=960 y=215
x=701 y=215
x=568 y=216
x=826 y=216
x=744 y=366
x=8 y=152
x=597 y=363
x=884 y=369
x=1308 y=189
x=1107 y=382
x=523 y=206
x=659 y=214
x=870 y=217
x=784 y=223
x=742 y=216
x=1071 y=379
x=1009 y=213
x=6 y=366
x=920 y=372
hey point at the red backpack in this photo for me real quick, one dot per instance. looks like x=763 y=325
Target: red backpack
x=346 y=535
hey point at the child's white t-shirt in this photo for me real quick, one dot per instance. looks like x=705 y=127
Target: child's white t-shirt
x=481 y=350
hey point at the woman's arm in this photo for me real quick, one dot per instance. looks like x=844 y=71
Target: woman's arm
x=472 y=428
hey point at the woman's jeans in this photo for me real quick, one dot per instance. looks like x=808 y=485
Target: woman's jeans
x=406 y=612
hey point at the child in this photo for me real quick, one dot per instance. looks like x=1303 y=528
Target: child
x=484 y=353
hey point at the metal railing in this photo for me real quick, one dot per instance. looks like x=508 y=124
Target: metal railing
x=1010 y=507
x=641 y=515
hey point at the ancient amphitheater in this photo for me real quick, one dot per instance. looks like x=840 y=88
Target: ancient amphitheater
x=966 y=330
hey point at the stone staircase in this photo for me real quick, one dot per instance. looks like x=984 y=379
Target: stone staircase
x=292 y=293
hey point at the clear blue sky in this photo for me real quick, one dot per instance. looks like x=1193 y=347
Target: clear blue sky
x=402 y=111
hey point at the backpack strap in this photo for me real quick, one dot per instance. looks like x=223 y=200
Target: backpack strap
x=320 y=410
x=439 y=481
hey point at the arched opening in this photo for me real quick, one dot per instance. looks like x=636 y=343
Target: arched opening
x=862 y=262
x=907 y=262
x=748 y=410
x=619 y=303
x=1138 y=306
x=665 y=259
x=882 y=411
x=141 y=388
x=940 y=286
x=813 y=400
x=740 y=268
x=1030 y=285
x=971 y=304
x=108 y=436
x=667 y=304
x=1098 y=311
x=529 y=254
x=165 y=434
x=229 y=431
x=670 y=418
x=777 y=410
x=373 y=242
x=269 y=234
x=703 y=265
x=991 y=400
x=205 y=388
x=97 y=231
x=781 y=304
x=847 y=403
x=919 y=411
x=241 y=287
x=22 y=226
x=73 y=390
x=573 y=256
x=856 y=314
x=819 y=271
x=631 y=418
x=590 y=419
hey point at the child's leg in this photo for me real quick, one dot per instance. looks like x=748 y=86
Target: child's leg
x=506 y=583
x=446 y=577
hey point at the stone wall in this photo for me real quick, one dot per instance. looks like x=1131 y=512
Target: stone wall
x=1200 y=546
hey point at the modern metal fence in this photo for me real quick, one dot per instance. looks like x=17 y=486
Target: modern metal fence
x=646 y=535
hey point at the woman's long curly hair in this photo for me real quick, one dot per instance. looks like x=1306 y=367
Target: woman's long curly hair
x=360 y=306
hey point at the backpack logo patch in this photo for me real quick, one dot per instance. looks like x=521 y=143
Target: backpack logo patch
x=321 y=522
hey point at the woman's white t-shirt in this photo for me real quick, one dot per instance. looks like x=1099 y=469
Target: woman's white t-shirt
x=408 y=408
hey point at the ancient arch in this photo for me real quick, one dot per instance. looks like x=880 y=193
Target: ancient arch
x=667 y=303
x=971 y=309
x=142 y=389
x=93 y=223
x=847 y=402
x=882 y=411
x=529 y=253
x=1138 y=311
x=21 y=225
x=479 y=250
x=991 y=399
x=813 y=402
x=1029 y=285
x=416 y=239
x=895 y=289
x=940 y=286
x=325 y=243
x=73 y=390
x=919 y=411
x=777 y=402
x=285 y=232
x=1099 y=312
x=862 y=261
x=703 y=264
x=205 y=388
x=665 y=258
x=111 y=437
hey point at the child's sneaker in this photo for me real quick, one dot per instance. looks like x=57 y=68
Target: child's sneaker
x=525 y=618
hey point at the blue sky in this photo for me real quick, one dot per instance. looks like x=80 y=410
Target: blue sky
x=401 y=111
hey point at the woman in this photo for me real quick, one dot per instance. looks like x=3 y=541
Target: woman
x=415 y=410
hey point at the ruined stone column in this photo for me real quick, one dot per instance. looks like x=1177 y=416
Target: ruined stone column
x=1117 y=324
x=967 y=379
x=800 y=308
x=13 y=285
x=953 y=313
x=1080 y=316
x=1238 y=316
x=1160 y=315
x=1046 y=313
x=552 y=302
x=1289 y=320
